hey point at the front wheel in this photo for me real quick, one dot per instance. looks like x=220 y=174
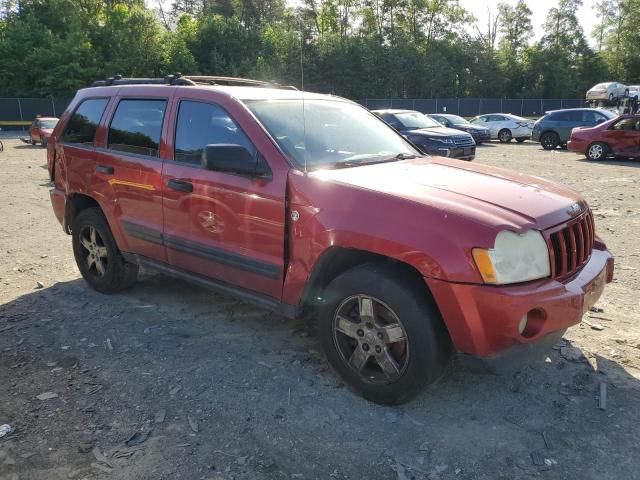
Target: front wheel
x=597 y=151
x=549 y=140
x=504 y=135
x=97 y=255
x=383 y=333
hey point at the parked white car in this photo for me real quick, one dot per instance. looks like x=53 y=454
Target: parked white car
x=634 y=91
x=607 y=91
x=505 y=126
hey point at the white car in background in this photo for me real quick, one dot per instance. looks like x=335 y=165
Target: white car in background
x=505 y=126
x=607 y=91
x=634 y=91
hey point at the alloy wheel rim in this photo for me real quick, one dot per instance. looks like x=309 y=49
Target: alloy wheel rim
x=547 y=141
x=504 y=136
x=94 y=251
x=371 y=339
x=595 y=151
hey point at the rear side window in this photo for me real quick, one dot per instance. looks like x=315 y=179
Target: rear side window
x=84 y=122
x=201 y=124
x=136 y=127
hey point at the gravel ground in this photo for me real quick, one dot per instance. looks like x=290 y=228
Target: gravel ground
x=169 y=381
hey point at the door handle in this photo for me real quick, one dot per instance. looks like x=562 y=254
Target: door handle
x=104 y=169
x=180 y=185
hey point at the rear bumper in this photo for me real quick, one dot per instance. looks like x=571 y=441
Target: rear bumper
x=483 y=320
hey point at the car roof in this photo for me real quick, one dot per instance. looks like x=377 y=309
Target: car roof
x=575 y=110
x=239 y=92
x=394 y=110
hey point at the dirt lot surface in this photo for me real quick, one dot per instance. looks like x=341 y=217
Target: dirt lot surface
x=170 y=381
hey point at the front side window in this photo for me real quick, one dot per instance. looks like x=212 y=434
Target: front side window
x=201 y=124
x=136 y=126
x=83 y=124
x=330 y=133
x=625 y=124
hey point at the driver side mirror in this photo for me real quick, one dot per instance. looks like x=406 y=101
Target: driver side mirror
x=236 y=159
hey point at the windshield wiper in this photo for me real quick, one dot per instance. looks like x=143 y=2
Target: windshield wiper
x=372 y=161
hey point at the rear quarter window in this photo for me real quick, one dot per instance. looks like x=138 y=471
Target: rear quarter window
x=136 y=126
x=82 y=126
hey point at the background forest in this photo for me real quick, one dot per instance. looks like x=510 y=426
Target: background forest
x=354 y=48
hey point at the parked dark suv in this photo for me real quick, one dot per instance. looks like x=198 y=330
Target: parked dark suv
x=430 y=136
x=554 y=128
x=310 y=206
x=479 y=134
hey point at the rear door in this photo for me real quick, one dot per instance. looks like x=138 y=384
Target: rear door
x=495 y=123
x=218 y=224
x=128 y=172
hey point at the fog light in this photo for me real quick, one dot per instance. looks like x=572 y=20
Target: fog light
x=532 y=322
x=523 y=323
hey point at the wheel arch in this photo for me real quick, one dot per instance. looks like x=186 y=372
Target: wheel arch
x=336 y=260
x=76 y=203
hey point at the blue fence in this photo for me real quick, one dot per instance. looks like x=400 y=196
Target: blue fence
x=470 y=107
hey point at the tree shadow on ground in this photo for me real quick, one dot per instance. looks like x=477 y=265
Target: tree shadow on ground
x=256 y=387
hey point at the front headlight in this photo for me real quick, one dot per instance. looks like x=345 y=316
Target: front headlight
x=514 y=258
x=446 y=141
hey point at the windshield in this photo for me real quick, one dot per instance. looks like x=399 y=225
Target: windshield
x=416 y=120
x=334 y=133
x=456 y=120
x=601 y=85
x=48 y=123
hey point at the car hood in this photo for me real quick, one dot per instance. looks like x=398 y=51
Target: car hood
x=491 y=195
x=434 y=132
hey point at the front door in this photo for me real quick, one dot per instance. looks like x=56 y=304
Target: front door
x=218 y=224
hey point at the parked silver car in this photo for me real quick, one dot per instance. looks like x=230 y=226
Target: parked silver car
x=505 y=126
x=607 y=91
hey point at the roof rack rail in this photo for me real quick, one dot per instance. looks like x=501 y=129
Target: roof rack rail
x=179 y=79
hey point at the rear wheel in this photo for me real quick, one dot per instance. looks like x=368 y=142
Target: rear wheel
x=597 y=151
x=383 y=333
x=549 y=140
x=504 y=135
x=97 y=255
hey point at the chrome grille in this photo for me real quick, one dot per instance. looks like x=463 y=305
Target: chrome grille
x=463 y=140
x=570 y=245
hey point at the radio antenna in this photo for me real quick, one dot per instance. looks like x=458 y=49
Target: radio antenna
x=304 y=123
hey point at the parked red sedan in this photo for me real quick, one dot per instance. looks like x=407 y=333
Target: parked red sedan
x=40 y=130
x=619 y=137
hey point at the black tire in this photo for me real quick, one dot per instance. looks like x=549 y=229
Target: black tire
x=43 y=143
x=549 y=140
x=1 y=147
x=520 y=140
x=423 y=352
x=597 y=151
x=117 y=274
x=626 y=93
x=611 y=97
x=504 y=135
x=32 y=141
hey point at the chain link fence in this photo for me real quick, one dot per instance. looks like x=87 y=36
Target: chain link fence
x=17 y=113
x=470 y=107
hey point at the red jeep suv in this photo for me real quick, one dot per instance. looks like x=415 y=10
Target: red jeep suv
x=310 y=205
